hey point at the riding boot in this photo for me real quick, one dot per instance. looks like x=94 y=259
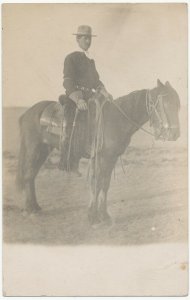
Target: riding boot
x=90 y=134
x=88 y=149
x=67 y=161
x=63 y=165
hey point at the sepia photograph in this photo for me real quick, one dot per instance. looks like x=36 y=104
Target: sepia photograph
x=95 y=185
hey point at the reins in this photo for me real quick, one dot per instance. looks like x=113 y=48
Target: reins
x=131 y=121
x=149 y=104
x=96 y=143
x=71 y=139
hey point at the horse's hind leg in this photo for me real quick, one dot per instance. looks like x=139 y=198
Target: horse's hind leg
x=31 y=204
x=36 y=157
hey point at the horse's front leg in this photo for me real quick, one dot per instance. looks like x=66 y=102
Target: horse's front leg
x=102 y=207
x=102 y=201
x=100 y=180
x=95 y=190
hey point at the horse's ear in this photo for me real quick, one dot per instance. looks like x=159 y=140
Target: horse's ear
x=159 y=83
x=167 y=84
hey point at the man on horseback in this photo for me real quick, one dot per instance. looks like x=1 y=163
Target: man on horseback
x=81 y=81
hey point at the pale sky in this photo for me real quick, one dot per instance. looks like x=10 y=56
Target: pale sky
x=135 y=45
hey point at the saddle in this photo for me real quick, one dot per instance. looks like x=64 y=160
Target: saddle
x=57 y=121
x=61 y=114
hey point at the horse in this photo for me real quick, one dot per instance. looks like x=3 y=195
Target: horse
x=121 y=119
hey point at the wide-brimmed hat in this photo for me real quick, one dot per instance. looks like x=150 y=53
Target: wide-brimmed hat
x=84 y=30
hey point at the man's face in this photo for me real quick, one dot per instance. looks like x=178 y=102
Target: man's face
x=84 y=42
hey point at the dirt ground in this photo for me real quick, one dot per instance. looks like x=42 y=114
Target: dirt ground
x=148 y=203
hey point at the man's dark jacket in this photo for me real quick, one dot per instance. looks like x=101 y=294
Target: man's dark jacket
x=80 y=71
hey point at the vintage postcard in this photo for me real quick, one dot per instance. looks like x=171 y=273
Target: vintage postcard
x=95 y=149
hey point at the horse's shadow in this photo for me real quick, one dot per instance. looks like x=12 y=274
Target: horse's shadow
x=132 y=224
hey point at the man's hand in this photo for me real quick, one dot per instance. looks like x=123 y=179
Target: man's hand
x=106 y=95
x=109 y=97
x=81 y=104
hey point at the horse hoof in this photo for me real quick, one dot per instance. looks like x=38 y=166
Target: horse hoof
x=28 y=211
x=24 y=213
x=106 y=219
x=108 y=222
x=96 y=225
x=76 y=173
x=33 y=215
x=102 y=224
x=94 y=220
x=35 y=210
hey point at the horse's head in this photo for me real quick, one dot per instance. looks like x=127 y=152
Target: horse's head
x=163 y=106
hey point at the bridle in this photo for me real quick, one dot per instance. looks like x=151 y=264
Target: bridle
x=152 y=110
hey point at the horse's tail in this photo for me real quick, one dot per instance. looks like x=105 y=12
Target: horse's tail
x=21 y=159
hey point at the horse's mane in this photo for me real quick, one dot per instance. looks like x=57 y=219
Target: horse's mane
x=134 y=98
x=135 y=95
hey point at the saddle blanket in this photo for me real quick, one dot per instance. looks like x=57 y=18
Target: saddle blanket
x=53 y=118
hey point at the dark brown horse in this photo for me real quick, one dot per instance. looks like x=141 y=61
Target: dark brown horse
x=121 y=119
